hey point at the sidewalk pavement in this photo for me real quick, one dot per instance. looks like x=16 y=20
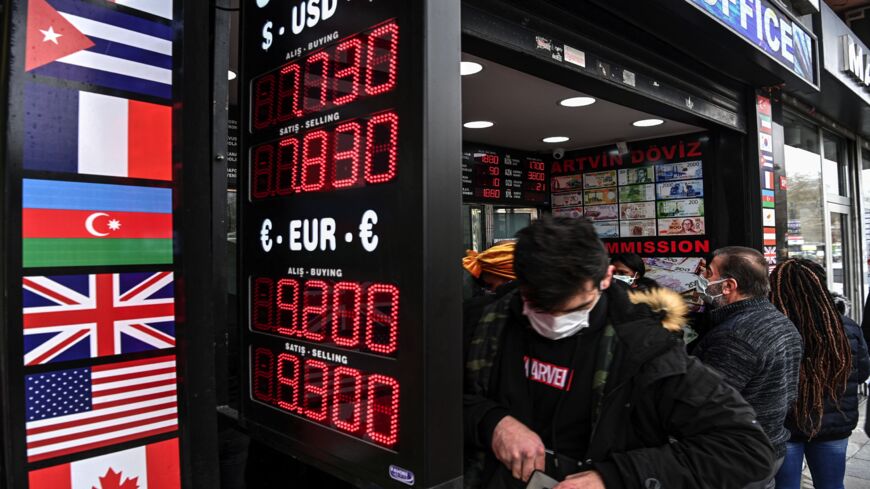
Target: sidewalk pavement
x=857 y=458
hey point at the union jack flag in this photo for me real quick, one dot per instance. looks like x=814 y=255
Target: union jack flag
x=70 y=317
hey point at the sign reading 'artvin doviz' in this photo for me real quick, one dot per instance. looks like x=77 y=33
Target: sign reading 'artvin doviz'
x=770 y=30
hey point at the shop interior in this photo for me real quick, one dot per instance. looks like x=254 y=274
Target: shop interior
x=507 y=113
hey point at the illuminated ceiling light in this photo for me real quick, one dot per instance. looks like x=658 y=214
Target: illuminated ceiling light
x=477 y=124
x=231 y=75
x=556 y=139
x=647 y=123
x=577 y=102
x=469 y=68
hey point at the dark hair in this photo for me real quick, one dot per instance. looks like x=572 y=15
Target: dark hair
x=799 y=291
x=632 y=261
x=747 y=266
x=555 y=258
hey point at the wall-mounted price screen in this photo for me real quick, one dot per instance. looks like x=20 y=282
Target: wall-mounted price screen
x=332 y=182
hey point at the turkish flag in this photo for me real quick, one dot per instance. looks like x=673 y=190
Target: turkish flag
x=153 y=466
x=50 y=36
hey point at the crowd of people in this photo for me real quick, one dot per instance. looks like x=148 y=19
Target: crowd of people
x=577 y=375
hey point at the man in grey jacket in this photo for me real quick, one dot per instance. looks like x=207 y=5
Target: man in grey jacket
x=753 y=345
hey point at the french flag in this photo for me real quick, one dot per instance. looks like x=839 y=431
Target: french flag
x=96 y=134
x=99 y=45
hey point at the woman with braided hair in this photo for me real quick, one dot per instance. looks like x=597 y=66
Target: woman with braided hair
x=835 y=361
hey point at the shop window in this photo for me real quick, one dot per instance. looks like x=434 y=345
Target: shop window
x=507 y=221
x=800 y=134
x=865 y=206
x=803 y=168
x=835 y=164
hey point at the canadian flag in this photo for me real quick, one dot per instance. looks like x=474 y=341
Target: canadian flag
x=153 y=466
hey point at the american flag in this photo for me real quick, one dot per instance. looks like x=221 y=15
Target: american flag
x=71 y=317
x=80 y=409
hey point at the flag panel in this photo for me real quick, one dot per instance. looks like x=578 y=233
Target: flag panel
x=95 y=44
x=82 y=224
x=73 y=131
x=153 y=466
x=74 y=410
x=89 y=316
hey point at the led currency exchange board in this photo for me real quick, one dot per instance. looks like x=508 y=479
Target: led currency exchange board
x=335 y=220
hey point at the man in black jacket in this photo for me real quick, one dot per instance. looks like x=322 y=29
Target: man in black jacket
x=752 y=344
x=573 y=376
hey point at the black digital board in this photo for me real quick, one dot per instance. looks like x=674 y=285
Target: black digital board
x=503 y=176
x=336 y=216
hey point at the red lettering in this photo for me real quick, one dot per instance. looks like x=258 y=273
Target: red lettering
x=670 y=152
x=694 y=149
x=684 y=246
x=663 y=246
x=569 y=166
x=637 y=156
x=616 y=160
x=555 y=168
x=649 y=247
x=702 y=246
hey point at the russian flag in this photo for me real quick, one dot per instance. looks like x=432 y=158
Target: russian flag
x=98 y=45
x=72 y=131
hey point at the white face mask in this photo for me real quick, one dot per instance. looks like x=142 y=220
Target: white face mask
x=558 y=327
x=629 y=279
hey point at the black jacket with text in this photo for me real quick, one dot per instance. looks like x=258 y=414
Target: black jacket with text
x=665 y=419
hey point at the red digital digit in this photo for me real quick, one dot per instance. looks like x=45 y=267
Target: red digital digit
x=264 y=100
x=315 y=401
x=262 y=169
x=382 y=329
x=314 y=151
x=288 y=156
x=536 y=165
x=494 y=170
x=263 y=375
x=382 y=135
x=346 y=399
x=288 y=382
x=382 y=59
x=347 y=65
x=346 y=305
x=316 y=82
x=289 y=80
x=496 y=182
x=382 y=411
x=314 y=312
x=346 y=155
x=261 y=310
x=538 y=176
x=490 y=159
x=287 y=300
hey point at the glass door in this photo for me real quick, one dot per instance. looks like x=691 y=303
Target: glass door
x=839 y=268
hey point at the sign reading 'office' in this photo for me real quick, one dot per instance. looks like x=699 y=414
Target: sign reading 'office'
x=770 y=30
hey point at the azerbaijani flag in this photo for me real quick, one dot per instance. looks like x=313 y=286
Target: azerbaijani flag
x=80 y=224
x=96 y=134
x=767 y=199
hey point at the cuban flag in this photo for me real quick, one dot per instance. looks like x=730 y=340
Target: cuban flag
x=70 y=317
x=99 y=45
x=153 y=466
x=96 y=134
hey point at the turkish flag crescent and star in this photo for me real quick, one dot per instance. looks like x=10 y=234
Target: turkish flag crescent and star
x=50 y=36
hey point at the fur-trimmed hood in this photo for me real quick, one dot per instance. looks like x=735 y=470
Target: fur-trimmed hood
x=666 y=304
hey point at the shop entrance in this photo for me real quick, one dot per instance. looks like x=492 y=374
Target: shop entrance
x=532 y=147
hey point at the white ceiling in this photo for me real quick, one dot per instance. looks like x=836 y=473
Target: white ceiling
x=525 y=109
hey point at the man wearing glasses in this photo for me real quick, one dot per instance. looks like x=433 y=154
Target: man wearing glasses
x=571 y=376
x=755 y=347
